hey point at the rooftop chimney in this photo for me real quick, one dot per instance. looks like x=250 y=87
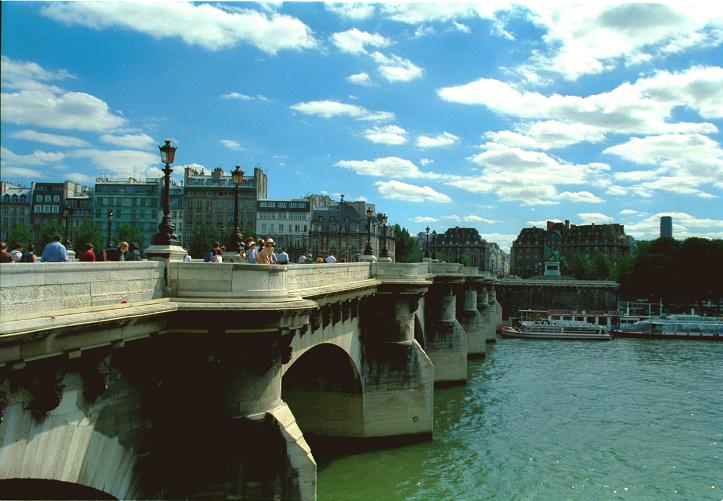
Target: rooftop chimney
x=567 y=224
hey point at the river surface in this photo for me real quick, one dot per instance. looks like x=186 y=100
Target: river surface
x=625 y=419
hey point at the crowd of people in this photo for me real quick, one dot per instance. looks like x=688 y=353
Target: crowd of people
x=55 y=252
x=261 y=251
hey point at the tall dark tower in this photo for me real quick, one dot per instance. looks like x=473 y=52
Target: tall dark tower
x=666 y=227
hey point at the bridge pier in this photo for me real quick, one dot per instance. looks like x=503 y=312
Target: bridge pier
x=495 y=309
x=472 y=321
x=485 y=311
x=445 y=338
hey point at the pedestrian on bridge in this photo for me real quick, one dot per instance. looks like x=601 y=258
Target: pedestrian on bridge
x=55 y=252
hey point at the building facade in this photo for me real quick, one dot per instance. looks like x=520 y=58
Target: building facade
x=287 y=222
x=78 y=208
x=134 y=203
x=340 y=228
x=461 y=245
x=48 y=202
x=14 y=209
x=208 y=199
x=534 y=246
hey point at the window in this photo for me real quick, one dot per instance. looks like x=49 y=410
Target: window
x=39 y=198
x=46 y=209
x=55 y=209
x=263 y=228
x=56 y=198
x=38 y=209
x=48 y=198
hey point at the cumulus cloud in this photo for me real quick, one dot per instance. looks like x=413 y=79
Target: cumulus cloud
x=30 y=101
x=360 y=79
x=503 y=168
x=355 y=41
x=331 y=109
x=356 y=11
x=643 y=107
x=125 y=162
x=423 y=219
x=397 y=190
x=546 y=135
x=208 y=26
x=396 y=69
x=393 y=167
x=386 y=134
x=238 y=96
x=36 y=158
x=231 y=144
x=580 y=196
x=472 y=218
x=440 y=140
x=629 y=212
x=594 y=217
x=426 y=161
x=46 y=138
x=134 y=141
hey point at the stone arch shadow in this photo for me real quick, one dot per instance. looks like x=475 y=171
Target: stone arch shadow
x=324 y=390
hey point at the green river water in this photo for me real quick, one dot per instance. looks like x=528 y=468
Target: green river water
x=625 y=419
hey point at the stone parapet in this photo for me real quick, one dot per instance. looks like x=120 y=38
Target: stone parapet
x=31 y=290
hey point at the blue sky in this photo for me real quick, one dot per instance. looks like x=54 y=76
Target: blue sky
x=497 y=116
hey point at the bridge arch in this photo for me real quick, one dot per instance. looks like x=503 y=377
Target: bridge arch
x=65 y=453
x=323 y=389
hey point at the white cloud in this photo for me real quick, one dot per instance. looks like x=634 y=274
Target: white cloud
x=397 y=190
x=546 y=135
x=423 y=219
x=629 y=212
x=44 y=137
x=238 y=96
x=36 y=158
x=211 y=27
x=360 y=79
x=685 y=163
x=386 y=134
x=392 y=167
x=23 y=172
x=330 y=109
x=36 y=103
x=542 y=222
x=590 y=38
x=415 y=13
x=504 y=240
x=580 y=197
x=529 y=177
x=123 y=162
x=355 y=41
x=438 y=141
x=426 y=161
x=396 y=69
x=461 y=27
x=231 y=144
x=594 y=217
x=643 y=107
x=452 y=217
x=134 y=141
x=356 y=11
x=471 y=218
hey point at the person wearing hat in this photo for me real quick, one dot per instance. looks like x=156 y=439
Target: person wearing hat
x=266 y=255
x=251 y=251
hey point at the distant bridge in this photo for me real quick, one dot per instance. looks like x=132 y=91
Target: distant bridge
x=160 y=379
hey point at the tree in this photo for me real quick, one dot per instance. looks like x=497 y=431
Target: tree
x=20 y=233
x=602 y=268
x=88 y=232
x=406 y=246
x=201 y=239
x=128 y=233
x=580 y=266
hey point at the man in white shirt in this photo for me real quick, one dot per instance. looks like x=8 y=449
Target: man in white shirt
x=17 y=252
x=330 y=259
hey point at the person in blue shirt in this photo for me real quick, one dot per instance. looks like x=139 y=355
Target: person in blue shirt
x=55 y=252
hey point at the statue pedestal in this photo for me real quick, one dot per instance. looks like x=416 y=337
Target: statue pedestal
x=368 y=258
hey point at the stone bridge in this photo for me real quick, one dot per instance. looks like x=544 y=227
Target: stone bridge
x=162 y=379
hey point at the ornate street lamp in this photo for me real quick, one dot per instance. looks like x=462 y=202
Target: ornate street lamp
x=384 y=252
x=434 y=244
x=426 y=245
x=110 y=226
x=234 y=241
x=166 y=230
x=368 y=248
x=67 y=211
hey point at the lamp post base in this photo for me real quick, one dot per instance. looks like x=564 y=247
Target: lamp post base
x=168 y=252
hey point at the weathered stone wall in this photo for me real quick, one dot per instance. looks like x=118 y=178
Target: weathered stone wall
x=589 y=295
x=29 y=290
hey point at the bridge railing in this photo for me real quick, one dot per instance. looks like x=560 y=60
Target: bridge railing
x=32 y=290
